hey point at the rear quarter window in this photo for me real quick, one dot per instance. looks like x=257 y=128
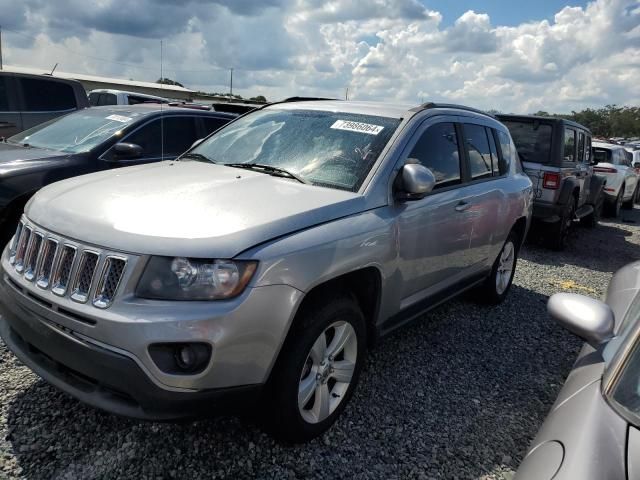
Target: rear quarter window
x=46 y=95
x=508 y=150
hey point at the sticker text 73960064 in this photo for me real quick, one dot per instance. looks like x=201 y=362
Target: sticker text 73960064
x=357 y=127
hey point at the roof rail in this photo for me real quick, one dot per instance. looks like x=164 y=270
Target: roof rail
x=429 y=105
x=304 y=99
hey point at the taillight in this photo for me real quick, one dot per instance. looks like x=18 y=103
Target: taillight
x=551 y=180
x=605 y=170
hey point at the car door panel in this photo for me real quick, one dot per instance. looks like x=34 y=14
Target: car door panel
x=433 y=232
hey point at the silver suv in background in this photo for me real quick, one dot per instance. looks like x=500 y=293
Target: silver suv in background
x=556 y=154
x=265 y=262
x=105 y=96
x=614 y=163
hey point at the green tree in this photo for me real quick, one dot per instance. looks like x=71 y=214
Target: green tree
x=168 y=81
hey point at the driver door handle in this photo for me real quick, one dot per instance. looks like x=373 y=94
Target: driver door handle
x=462 y=206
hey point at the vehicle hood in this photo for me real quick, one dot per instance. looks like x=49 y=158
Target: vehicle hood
x=185 y=208
x=16 y=159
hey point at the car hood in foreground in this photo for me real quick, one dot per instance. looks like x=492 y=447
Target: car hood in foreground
x=185 y=208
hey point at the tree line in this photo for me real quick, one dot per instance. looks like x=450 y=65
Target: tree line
x=609 y=121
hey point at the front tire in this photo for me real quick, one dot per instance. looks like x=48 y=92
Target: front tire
x=628 y=205
x=497 y=285
x=592 y=220
x=613 y=209
x=317 y=370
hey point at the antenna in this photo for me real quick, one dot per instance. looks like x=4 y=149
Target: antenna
x=161 y=114
x=0 y=47
x=346 y=94
x=231 y=85
x=54 y=69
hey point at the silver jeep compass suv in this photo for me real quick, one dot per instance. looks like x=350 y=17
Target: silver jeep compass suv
x=263 y=262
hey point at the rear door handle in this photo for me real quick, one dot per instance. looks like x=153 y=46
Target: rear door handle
x=462 y=206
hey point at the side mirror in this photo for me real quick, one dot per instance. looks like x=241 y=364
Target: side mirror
x=196 y=143
x=416 y=181
x=126 y=151
x=589 y=319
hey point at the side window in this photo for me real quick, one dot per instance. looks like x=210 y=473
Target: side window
x=437 y=149
x=587 y=153
x=179 y=134
x=108 y=99
x=477 y=147
x=495 y=167
x=47 y=95
x=4 y=94
x=213 y=124
x=94 y=98
x=569 y=145
x=581 y=147
x=508 y=152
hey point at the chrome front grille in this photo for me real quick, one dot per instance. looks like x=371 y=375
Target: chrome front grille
x=84 y=276
x=65 y=267
x=62 y=270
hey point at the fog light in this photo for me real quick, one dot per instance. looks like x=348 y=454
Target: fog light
x=181 y=358
x=186 y=357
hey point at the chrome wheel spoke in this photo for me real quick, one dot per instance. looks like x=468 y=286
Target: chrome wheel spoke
x=505 y=267
x=306 y=390
x=340 y=339
x=319 y=349
x=343 y=371
x=322 y=402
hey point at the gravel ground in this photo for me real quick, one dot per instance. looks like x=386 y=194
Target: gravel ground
x=458 y=395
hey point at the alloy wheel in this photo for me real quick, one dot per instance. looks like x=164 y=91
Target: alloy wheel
x=327 y=372
x=505 y=267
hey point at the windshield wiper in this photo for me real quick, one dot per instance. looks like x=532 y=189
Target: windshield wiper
x=269 y=169
x=196 y=156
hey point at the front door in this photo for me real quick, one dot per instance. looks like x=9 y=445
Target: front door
x=434 y=231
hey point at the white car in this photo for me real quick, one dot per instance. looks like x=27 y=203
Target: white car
x=614 y=163
x=105 y=96
x=634 y=150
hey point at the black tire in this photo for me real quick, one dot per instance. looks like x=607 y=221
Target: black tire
x=560 y=231
x=489 y=292
x=283 y=418
x=628 y=205
x=592 y=220
x=613 y=208
x=636 y=200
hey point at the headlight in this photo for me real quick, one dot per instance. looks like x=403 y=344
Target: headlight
x=182 y=278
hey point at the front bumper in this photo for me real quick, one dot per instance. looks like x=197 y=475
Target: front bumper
x=101 y=378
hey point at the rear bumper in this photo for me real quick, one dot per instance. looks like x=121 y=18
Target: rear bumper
x=103 y=378
x=548 y=213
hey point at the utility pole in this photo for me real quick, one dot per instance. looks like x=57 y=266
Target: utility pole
x=231 y=85
x=0 y=47
x=346 y=94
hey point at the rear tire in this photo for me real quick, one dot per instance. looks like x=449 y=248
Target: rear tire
x=314 y=378
x=613 y=208
x=497 y=285
x=592 y=220
x=560 y=231
x=628 y=205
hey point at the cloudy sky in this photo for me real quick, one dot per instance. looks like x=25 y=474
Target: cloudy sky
x=492 y=54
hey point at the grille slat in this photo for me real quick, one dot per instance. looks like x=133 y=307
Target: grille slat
x=31 y=257
x=84 y=276
x=14 y=243
x=65 y=267
x=62 y=270
x=45 y=263
x=109 y=281
x=23 y=244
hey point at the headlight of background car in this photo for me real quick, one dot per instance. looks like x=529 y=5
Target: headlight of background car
x=182 y=278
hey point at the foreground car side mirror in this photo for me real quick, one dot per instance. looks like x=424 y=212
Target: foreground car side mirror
x=126 y=151
x=589 y=319
x=416 y=181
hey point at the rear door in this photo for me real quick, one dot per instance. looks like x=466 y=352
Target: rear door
x=10 y=119
x=44 y=99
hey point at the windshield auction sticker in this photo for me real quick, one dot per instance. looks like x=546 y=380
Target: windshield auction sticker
x=119 y=118
x=357 y=127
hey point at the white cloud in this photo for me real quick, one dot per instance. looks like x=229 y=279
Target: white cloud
x=380 y=49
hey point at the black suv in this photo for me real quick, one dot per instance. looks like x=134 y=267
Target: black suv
x=90 y=140
x=28 y=100
x=556 y=154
